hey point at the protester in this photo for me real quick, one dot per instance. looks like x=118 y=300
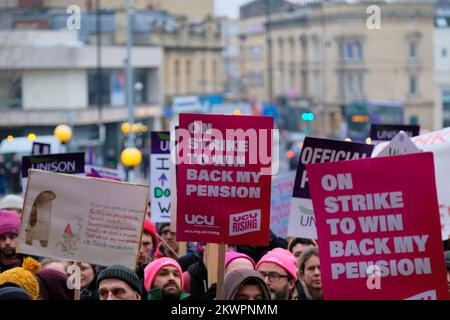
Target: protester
x=88 y=282
x=189 y=259
x=257 y=252
x=298 y=245
x=167 y=237
x=12 y=202
x=118 y=282
x=11 y=291
x=235 y=260
x=149 y=244
x=53 y=285
x=309 y=271
x=447 y=263
x=24 y=277
x=9 y=231
x=164 y=280
x=54 y=264
x=195 y=280
x=2 y=175
x=13 y=175
x=279 y=269
x=245 y=284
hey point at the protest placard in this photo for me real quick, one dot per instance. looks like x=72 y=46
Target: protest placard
x=82 y=219
x=386 y=132
x=160 y=177
x=69 y=163
x=400 y=144
x=438 y=142
x=39 y=148
x=301 y=219
x=378 y=227
x=280 y=203
x=224 y=178
x=103 y=173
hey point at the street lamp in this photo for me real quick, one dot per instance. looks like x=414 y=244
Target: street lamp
x=130 y=157
x=64 y=133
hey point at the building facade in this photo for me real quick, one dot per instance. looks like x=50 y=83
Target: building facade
x=326 y=55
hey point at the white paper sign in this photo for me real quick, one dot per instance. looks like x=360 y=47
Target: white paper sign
x=400 y=144
x=82 y=219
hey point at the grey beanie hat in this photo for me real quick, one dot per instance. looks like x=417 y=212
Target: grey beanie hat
x=122 y=273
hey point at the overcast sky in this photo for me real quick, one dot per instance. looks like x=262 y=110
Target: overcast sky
x=229 y=8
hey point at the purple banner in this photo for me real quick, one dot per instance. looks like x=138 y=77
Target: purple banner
x=69 y=163
x=160 y=142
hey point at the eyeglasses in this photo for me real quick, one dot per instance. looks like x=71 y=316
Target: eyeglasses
x=273 y=276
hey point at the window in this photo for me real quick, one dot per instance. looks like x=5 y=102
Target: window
x=256 y=52
x=214 y=75
x=177 y=76
x=413 y=50
x=359 y=50
x=349 y=86
x=341 y=86
x=359 y=85
x=349 y=51
x=188 y=76
x=11 y=90
x=203 y=75
x=413 y=85
x=444 y=52
x=317 y=52
x=317 y=84
x=446 y=107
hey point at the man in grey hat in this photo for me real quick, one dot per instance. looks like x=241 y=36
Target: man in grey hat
x=119 y=283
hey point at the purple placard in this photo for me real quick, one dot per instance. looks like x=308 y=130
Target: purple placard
x=317 y=150
x=70 y=163
x=160 y=142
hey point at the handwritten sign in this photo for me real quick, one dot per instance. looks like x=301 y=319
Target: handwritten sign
x=280 y=203
x=82 y=219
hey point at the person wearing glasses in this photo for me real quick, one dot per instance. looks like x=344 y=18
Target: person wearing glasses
x=279 y=269
x=168 y=246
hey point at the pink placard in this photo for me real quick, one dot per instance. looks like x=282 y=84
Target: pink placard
x=378 y=228
x=224 y=179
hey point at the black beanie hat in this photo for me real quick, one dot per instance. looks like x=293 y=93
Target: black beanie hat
x=122 y=273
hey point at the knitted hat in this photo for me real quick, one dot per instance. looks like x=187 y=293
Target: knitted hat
x=150 y=228
x=232 y=255
x=151 y=270
x=447 y=259
x=55 y=284
x=11 y=291
x=11 y=201
x=122 y=273
x=24 y=277
x=9 y=222
x=282 y=258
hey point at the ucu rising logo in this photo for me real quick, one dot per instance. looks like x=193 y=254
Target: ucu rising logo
x=199 y=220
x=245 y=222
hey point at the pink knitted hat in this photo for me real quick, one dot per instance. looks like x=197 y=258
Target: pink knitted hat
x=282 y=258
x=9 y=222
x=152 y=269
x=231 y=255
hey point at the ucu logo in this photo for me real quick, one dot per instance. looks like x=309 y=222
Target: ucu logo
x=199 y=220
x=245 y=217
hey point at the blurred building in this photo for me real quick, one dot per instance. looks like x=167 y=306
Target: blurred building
x=49 y=77
x=192 y=51
x=442 y=64
x=324 y=55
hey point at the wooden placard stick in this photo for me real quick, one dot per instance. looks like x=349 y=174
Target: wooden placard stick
x=168 y=247
x=182 y=248
x=212 y=259
x=221 y=271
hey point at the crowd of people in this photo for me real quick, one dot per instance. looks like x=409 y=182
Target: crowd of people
x=281 y=271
